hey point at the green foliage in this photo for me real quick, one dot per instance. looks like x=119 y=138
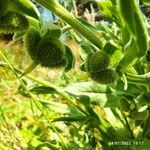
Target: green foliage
x=107 y=8
x=146 y=2
x=13 y=22
x=124 y=104
x=133 y=19
x=70 y=58
x=3 y=7
x=130 y=55
x=139 y=115
x=67 y=108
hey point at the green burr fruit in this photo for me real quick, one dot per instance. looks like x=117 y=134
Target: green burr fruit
x=106 y=76
x=50 y=51
x=13 y=22
x=63 y=63
x=31 y=40
x=97 y=61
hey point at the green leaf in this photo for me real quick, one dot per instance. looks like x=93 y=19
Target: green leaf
x=146 y=2
x=98 y=94
x=130 y=55
x=86 y=47
x=124 y=104
x=43 y=90
x=133 y=19
x=33 y=22
x=70 y=58
x=106 y=32
x=63 y=109
x=107 y=8
x=93 y=28
x=75 y=118
x=139 y=115
x=50 y=29
x=84 y=99
x=82 y=67
x=18 y=36
x=87 y=24
x=114 y=52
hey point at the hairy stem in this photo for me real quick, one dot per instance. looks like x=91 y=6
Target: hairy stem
x=61 y=12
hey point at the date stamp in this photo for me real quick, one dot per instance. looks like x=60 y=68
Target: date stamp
x=126 y=143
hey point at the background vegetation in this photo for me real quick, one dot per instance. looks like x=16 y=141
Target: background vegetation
x=64 y=108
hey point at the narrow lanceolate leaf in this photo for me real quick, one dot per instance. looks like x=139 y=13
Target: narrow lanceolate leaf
x=130 y=55
x=43 y=90
x=133 y=19
x=70 y=59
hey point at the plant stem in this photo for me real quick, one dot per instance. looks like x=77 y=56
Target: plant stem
x=66 y=28
x=146 y=129
x=139 y=79
x=128 y=126
x=61 y=12
x=75 y=8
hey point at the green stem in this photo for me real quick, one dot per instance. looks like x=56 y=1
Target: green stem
x=66 y=28
x=35 y=101
x=128 y=126
x=146 y=129
x=30 y=69
x=61 y=12
x=139 y=79
x=75 y=8
x=138 y=82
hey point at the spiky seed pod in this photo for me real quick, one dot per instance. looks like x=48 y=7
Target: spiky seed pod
x=106 y=76
x=13 y=22
x=31 y=40
x=97 y=61
x=50 y=51
x=63 y=63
